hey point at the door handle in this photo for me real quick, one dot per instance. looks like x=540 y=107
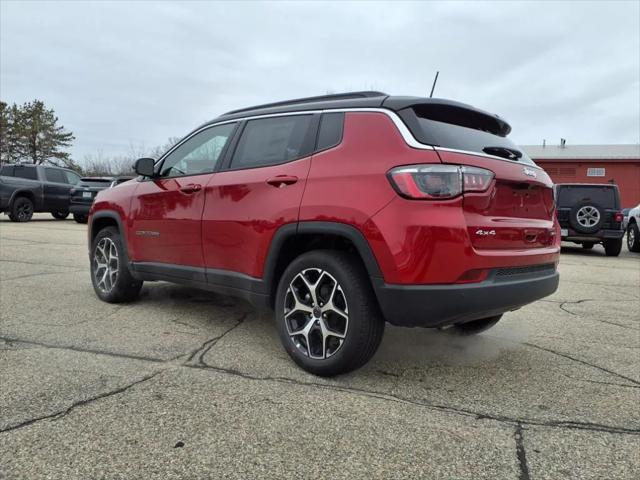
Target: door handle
x=281 y=181
x=191 y=188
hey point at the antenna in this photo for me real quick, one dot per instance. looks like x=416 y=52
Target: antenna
x=434 y=84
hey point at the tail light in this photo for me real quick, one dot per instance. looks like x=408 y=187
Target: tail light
x=433 y=182
x=618 y=217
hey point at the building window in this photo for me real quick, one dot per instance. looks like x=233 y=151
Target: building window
x=595 y=172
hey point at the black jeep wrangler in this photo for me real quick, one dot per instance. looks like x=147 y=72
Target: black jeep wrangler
x=590 y=214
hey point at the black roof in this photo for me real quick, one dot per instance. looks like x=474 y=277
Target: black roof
x=371 y=99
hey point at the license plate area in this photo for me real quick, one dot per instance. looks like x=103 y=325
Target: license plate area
x=564 y=232
x=86 y=194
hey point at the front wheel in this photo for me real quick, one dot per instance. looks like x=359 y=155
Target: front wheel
x=60 y=215
x=633 y=237
x=327 y=314
x=474 y=327
x=80 y=218
x=112 y=281
x=613 y=247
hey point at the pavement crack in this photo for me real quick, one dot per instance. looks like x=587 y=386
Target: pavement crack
x=22 y=277
x=199 y=353
x=521 y=454
x=179 y=322
x=602 y=369
x=573 y=303
x=37 y=263
x=85 y=350
x=567 y=424
x=601 y=383
x=79 y=403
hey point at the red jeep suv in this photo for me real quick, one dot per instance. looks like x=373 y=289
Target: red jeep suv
x=339 y=212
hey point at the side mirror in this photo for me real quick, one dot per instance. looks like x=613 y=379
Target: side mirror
x=145 y=167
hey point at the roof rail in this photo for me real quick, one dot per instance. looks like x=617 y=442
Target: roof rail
x=335 y=96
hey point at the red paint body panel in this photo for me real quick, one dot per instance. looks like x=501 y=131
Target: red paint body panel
x=243 y=212
x=348 y=184
x=165 y=223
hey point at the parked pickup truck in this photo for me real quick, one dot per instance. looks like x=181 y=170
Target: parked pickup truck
x=25 y=189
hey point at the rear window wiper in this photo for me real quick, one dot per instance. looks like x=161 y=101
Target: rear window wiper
x=504 y=152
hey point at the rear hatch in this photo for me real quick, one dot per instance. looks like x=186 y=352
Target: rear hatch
x=604 y=197
x=86 y=190
x=516 y=211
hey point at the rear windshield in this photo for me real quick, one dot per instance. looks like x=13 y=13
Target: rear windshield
x=448 y=135
x=95 y=183
x=569 y=195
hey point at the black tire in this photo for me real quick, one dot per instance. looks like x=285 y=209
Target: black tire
x=364 y=328
x=60 y=215
x=21 y=210
x=124 y=288
x=588 y=246
x=80 y=218
x=577 y=226
x=474 y=327
x=613 y=247
x=633 y=237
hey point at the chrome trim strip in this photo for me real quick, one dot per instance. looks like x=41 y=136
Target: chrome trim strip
x=482 y=154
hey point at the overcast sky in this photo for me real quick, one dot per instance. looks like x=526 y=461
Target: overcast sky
x=122 y=74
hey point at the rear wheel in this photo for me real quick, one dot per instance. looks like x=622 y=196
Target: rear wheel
x=588 y=246
x=60 y=215
x=80 y=218
x=112 y=281
x=327 y=314
x=474 y=327
x=633 y=237
x=21 y=210
x=612 y=247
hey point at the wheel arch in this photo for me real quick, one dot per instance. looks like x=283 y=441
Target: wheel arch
x=292 y=240
x=23 y=193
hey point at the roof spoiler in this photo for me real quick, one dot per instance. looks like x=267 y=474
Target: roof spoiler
x=448 y=111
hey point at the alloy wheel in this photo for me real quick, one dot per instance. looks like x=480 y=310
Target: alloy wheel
x=588 y=216
x=316 y=313
x=24 y=211
x=105 y=265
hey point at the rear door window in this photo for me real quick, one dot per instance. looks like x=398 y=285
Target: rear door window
x=28 y=173
x=274 y=140
x=55 y=176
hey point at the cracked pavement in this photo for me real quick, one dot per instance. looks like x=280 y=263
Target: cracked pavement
x=189 y=384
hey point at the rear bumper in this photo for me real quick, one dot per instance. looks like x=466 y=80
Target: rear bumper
x=79 y=208
x=573 y=236
x=439 y=305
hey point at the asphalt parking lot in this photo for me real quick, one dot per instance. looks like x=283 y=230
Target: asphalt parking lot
x=187 y=384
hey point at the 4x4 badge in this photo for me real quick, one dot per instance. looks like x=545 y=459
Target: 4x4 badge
x=529 y=172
